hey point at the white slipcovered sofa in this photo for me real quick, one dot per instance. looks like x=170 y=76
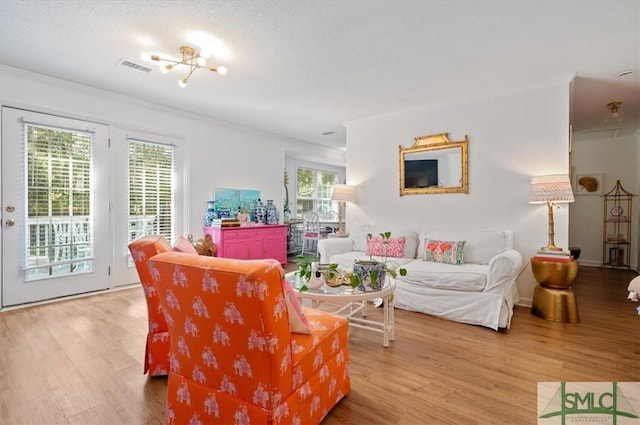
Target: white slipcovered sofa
x=480 y=291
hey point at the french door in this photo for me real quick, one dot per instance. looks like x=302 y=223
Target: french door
x=55 y=207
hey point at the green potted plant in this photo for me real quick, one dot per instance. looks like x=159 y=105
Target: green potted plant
x=370 y=275
x=313 y=275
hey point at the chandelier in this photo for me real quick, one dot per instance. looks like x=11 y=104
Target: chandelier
x=190 y=58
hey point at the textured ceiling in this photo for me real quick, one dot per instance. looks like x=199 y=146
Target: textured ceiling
x=303 y=68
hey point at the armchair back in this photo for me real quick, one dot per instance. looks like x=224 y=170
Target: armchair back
x=233 y=358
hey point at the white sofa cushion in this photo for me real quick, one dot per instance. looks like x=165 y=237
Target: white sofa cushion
x=465 y=277
x=480 y=247
x=358 y=233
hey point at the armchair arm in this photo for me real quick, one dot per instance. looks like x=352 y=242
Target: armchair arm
x=332 y=246
x=503 y=270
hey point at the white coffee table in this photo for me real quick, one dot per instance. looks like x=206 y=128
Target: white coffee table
x=355 y=305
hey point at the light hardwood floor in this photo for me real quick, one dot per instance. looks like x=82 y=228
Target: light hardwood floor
x=80 y=362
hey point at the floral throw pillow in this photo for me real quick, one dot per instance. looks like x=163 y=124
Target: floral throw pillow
x=448 y=252
x=394 y=247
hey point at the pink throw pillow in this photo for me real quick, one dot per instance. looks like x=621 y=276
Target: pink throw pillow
x=298 y=322
x=183 y=245
x=394 y=247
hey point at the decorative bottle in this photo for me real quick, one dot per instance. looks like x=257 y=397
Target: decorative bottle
x=243 y=217
x=272 y=212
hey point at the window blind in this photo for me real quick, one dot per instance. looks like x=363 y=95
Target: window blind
x=151 y=189
x=59 y=200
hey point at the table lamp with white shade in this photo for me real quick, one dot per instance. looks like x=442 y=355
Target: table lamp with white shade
x=342 y=193
x=551 y=189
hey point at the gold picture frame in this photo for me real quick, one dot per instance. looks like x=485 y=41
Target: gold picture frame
x=434 y=164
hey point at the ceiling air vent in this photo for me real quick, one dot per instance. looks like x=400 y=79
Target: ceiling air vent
x=134 y=65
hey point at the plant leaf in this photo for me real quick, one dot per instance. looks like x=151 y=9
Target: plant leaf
x=374 y=277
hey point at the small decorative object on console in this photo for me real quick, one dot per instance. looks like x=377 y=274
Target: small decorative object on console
x=224 y=212
x=206 y=246
x=272 y=213
x=260 y=213
x=243 y=217
x=211 y=213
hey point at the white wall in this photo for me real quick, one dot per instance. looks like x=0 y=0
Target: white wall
x=511 y=139
x=637 y=215
x=615 y=159
x=219 y=154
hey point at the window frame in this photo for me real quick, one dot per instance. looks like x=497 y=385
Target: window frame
x=153 y=227
x=315 y=199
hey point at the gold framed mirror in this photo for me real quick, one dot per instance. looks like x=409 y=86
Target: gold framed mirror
x=434 y=164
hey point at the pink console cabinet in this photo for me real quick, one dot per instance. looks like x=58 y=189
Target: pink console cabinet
x=251 y=242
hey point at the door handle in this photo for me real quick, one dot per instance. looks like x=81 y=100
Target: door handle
x=10 y=222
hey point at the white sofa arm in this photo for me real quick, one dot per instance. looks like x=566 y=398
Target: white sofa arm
x=503 y=271
x=332 y=246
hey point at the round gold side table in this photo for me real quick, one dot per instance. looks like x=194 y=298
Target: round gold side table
x=553 y=298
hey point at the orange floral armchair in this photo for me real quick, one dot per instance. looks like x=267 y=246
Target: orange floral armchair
x=233 y=357
x=156 y=356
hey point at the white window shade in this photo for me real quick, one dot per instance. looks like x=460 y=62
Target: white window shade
x=151 y=189
x=59 y=201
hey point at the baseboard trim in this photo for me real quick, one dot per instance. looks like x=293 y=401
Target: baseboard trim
x=69 y=297
x=525 y=302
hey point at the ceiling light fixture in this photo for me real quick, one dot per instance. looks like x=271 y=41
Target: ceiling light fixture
x=614 y=114
x=190 y=58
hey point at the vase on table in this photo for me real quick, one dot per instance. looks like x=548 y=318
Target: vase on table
x=272 y=213
x=224 y=213
x=211 y=213
x=371 y=274
x=259 y=212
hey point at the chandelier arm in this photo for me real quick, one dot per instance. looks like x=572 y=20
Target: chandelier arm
x=193 y=69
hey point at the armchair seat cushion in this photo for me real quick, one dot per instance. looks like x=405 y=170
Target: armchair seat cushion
x=309 y=353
